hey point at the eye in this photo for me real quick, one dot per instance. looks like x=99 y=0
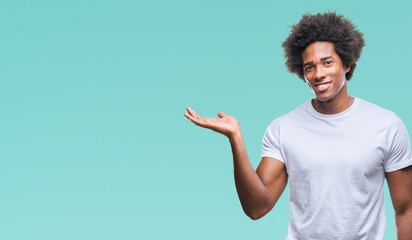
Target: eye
x=308 y=68
x=327 y=63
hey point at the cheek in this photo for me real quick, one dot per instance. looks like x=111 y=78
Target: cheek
x=308 y=75
x=338 y=73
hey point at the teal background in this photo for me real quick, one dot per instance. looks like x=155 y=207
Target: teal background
x=93 y=141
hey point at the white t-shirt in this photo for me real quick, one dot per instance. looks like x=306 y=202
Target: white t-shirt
x=336 y=166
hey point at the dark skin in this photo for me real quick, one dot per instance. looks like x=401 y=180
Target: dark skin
x=400 y=187
x=325 y=72
x=259 y=190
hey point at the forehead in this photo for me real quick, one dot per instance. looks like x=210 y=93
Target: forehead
x=319 y=50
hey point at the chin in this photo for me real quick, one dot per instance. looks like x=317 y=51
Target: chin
x=324 y=98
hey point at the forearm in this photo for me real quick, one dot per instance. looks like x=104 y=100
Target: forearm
x=404 y=225
x=251 y=190
x=253 y=193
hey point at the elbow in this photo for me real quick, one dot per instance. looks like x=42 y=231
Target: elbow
x=257 y=210
x=400 y=212
x=254 y=215
x=403 y=208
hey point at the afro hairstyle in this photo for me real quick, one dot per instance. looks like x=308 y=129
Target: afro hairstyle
x=327 y=27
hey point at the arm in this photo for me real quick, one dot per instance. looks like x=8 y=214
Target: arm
x=258 y=190
x=400 y=187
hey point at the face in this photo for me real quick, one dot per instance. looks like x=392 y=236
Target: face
x=323 y=70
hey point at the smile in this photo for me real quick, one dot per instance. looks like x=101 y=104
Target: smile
x=322 y=87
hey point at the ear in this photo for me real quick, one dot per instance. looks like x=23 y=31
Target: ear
x=347 y=69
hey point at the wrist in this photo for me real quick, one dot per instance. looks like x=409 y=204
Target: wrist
x=236 y=135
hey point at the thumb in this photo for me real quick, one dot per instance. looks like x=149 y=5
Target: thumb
x=222 y=114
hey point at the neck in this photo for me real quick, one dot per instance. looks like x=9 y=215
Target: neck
x=338 y=104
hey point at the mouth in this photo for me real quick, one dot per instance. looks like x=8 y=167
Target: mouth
x=322 y=86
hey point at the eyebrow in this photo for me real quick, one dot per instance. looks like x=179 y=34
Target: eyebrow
x=325 y=58
x=322 y=59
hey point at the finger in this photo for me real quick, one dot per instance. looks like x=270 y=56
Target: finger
x=191 y=118
x=193 y=113
x=222 y=114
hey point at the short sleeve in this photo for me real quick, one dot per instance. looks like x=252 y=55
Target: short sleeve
x=270 y=142
x=398 y=154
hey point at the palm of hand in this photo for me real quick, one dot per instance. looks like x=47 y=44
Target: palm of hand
x=225 y=124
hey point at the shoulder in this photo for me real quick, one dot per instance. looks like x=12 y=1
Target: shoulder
x=372 y=108
x=377 y=114
x=287 y=121
x=296 y=113
x=374 y=114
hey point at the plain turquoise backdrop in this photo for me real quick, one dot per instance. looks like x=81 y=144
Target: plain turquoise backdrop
x=93 y=142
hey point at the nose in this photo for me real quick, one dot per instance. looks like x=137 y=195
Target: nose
x=320 y=73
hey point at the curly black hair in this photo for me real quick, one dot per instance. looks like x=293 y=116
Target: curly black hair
x=326 y=27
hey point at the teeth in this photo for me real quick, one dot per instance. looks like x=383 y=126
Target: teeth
x=322 y=85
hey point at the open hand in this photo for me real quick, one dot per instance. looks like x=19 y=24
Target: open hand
x=225 y=124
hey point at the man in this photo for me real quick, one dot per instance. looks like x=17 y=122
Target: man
x=335 y=150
